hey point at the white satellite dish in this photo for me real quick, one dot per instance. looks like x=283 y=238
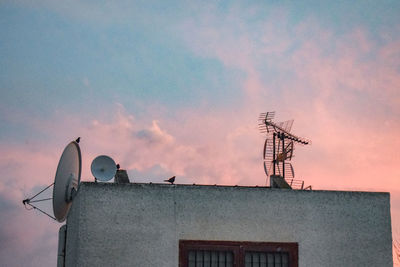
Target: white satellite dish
x=67 y=180
x=103 y=168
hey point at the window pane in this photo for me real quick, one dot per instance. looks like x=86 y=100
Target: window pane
x=207 y=259
x=278 y=260
x=263 y=260
x=229 y=259
x=256 y=260
x=214 y=259
x=192 y=259
x=199 y=258
x=270 y=259
x=285 y=260
x=221 y=259
x=247 y=260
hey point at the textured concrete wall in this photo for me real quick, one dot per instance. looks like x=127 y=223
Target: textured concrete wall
x=141 y=224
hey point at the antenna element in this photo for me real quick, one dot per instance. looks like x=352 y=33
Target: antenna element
x=278 y=150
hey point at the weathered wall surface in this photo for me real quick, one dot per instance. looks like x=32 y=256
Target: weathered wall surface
x=141 y=224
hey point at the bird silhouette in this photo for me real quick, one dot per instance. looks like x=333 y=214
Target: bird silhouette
x=170 y=180
x=78 y=139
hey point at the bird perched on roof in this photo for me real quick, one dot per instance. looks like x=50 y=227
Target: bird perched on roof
x=170 y=180
x=78 y=139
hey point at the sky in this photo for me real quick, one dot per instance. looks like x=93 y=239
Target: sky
x=176 y=87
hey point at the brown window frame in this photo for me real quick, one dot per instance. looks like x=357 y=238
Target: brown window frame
x=239 y=249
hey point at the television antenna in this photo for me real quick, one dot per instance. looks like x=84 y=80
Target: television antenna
x=65 y=185
x=279 y=147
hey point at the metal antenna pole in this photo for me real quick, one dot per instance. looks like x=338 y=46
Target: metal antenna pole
x=273 y=157
x=283 y=154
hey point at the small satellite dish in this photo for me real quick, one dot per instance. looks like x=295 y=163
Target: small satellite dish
x=67 y=180
x=103 y=168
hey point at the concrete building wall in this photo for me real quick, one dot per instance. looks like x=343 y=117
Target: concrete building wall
x=141 y=224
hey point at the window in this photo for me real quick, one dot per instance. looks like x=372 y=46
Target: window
x=194 y=253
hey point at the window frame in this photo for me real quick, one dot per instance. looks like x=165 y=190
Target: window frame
x=239 y=248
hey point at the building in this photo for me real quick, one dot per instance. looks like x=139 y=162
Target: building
x=166 y=225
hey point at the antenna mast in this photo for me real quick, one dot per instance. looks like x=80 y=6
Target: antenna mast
x=278 y=149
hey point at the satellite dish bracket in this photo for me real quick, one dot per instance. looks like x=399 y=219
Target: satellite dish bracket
x=29 y=202
x=72 y=188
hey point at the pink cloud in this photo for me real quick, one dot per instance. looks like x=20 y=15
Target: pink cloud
x=202 y=142
x=342 y=91
x=215 y=147
x=24 y=167
x=28 y=237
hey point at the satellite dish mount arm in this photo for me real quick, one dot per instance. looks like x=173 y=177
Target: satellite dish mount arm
x=29 y=202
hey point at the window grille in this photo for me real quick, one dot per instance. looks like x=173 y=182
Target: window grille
x=261 y=259
x=194 y=253
x=209 y=258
